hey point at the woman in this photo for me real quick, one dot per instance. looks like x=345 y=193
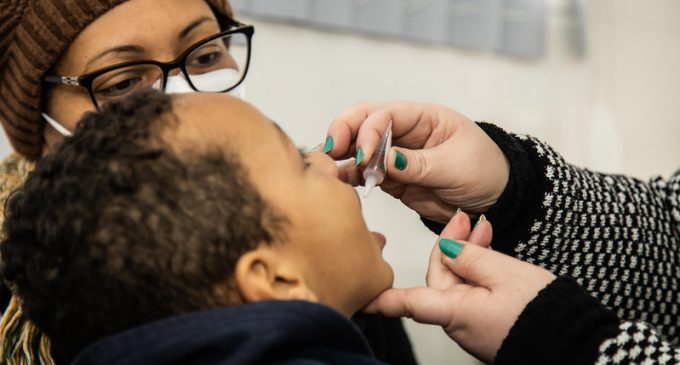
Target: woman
x=617 y=236
x=62 y=58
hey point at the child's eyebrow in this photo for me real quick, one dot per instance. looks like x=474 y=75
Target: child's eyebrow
x=289 y=142
x=282 y=134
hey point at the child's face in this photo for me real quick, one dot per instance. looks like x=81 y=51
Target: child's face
x=327 y=241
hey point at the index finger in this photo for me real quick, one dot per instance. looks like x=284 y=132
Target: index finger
x=438 y=275
x=368 y=123
x=345 y=127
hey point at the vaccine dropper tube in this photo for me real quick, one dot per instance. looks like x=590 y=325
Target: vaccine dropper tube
x=375 y=171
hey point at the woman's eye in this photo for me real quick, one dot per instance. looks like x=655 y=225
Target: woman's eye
x=119 y=88
x=207 y=59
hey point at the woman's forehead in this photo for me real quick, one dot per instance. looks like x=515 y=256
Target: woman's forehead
x=144 y=24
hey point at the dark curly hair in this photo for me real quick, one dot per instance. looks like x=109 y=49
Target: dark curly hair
x=116 y=228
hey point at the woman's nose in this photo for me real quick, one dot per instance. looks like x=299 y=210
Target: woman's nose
x=174 y=72
x=322 y=162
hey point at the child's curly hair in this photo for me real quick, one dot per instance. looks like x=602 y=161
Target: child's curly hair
x=116 y=228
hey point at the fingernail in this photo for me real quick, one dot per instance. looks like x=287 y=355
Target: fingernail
x=481 y=219
x=456 y=213
x=450 y=248
x=329 y=144
x=400 y=160
x=360 y=156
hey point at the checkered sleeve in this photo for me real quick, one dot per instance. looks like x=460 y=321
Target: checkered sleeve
x=565 y=325
x=617 y=236
x=637 y=343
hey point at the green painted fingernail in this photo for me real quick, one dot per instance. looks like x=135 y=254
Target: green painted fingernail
x=329 y=144
x=400 y=160
x=360 y=156
x=456 y=213
x=450 y=248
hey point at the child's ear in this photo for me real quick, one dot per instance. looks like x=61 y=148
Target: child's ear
x=264 y=274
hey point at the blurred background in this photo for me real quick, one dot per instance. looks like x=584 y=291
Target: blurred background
x=598 y=80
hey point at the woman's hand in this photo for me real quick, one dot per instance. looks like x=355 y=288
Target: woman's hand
x=440 y=160
x=476 y=296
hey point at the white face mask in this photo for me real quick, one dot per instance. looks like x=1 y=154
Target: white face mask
x=177 y=85
x=208 y=81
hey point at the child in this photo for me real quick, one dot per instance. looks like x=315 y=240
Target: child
x=168 y=230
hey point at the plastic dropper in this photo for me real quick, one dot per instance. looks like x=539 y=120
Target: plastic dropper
x=374 y=174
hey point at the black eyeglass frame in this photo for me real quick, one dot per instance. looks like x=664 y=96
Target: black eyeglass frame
x=86 y=80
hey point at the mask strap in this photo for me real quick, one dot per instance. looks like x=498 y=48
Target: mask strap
x=239 y=91
x=58 y=127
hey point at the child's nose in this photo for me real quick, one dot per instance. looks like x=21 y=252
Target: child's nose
x=321 y=161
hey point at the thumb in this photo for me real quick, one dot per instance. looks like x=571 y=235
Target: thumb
x=424 y=305
x=473 y=263
x=408 y=166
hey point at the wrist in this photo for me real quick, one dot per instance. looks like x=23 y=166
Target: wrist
x=562 y=325
x=513 y=211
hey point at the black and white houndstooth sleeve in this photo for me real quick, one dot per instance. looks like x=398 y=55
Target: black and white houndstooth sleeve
x=565 y=325
x=618 y=236
x=637 y=343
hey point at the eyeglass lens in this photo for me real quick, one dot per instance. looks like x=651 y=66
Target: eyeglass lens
x=215 y=66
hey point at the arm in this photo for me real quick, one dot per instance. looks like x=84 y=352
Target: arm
x=507 y=311
x=619 y=237
x=564 y=325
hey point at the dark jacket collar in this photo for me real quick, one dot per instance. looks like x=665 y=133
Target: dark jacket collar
x=254 y=333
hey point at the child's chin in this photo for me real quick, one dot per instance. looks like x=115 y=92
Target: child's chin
x=387 y=281
x=390 y=282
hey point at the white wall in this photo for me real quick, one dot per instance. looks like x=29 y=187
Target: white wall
x=303 y=77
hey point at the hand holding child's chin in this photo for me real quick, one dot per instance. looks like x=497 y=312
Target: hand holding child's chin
x=475 y=294
x=459 y=228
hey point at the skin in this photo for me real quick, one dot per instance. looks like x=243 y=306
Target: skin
x=329 y=255
x=475 y=297
x=452 y=163
x=152 y=26
x=327 y=265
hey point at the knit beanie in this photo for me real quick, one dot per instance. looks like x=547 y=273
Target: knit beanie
x=33 y=36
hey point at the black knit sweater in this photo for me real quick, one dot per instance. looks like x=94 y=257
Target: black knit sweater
x=616 y=236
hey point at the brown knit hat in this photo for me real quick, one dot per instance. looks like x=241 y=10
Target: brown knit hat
x=33 y=36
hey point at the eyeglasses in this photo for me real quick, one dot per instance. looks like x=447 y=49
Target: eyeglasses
x=218 y=63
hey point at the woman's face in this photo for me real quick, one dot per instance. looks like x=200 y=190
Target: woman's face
x=135 y=30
